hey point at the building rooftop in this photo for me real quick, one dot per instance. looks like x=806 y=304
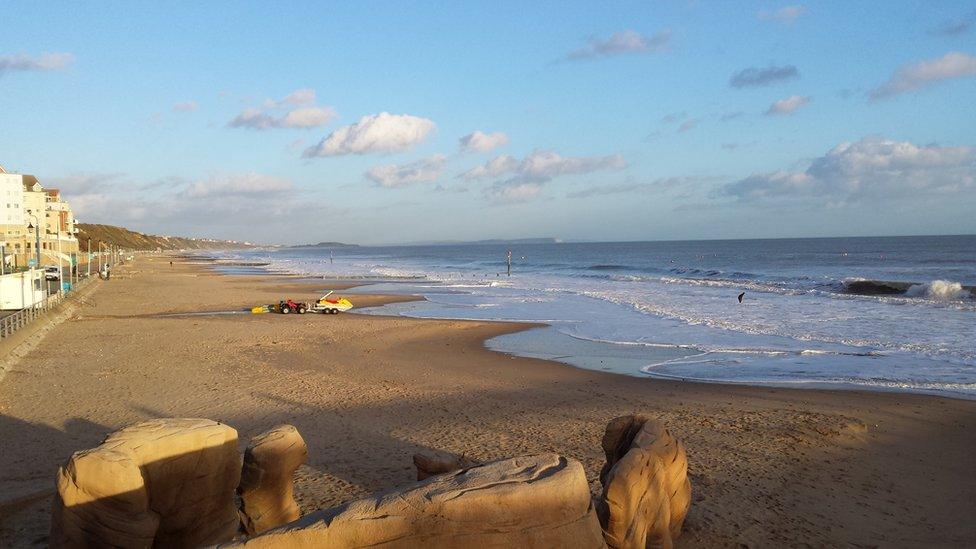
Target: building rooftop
x=29 y=182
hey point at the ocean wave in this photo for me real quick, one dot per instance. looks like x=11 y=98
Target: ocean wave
x=936 y=289
x=940 y=290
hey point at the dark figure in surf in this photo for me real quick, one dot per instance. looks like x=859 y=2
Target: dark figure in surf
x=741 y=296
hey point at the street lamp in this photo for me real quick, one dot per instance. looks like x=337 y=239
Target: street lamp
x=37 y=238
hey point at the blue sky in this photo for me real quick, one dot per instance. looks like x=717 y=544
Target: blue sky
x=616 y=121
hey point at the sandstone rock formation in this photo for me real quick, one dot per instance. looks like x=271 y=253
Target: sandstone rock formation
x=646 y=491
x=165 y=482
x=535 y=501
x=266 y=489
x=431 y=464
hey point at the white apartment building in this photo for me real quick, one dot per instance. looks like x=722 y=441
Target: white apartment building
x=12 y=224
x=29 y=211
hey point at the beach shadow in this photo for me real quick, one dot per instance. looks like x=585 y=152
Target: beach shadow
x=179 y=502
x=29 y=460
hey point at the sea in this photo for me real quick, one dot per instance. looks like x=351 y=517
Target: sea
x=886 y=313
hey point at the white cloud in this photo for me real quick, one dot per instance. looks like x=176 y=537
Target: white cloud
x=238 y=184
x=788 y=14
x=541 y=166
x=872 y=168
x=514 y=193
x=482 y=142
x=789 y=105
x=186 y=106
x=295 y=110
x=524 y=178
x=914 y=77
x=544 y=165
x=308 y=117
x=43 y=62
x=304 y=96
x=394 y=176
x=627 y=41
x=754 y=76
x=383 y=132
x=498 y=166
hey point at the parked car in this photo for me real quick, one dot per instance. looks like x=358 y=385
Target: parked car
x=52 y=273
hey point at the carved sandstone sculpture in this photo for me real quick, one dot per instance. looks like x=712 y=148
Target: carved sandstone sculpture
x=534 y=501
x=430 y=463
x=646 y=491
x=164 y=482
x=266 y=489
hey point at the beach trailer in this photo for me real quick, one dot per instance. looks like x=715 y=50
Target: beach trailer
x=331 y=306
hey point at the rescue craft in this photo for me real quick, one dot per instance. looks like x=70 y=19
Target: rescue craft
x=324 y=305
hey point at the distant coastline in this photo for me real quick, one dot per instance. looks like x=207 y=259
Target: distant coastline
x=325 y=245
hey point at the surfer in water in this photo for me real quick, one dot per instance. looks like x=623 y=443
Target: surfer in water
x=743 y=294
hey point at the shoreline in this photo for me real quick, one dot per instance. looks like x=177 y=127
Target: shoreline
x=801 y=385
x=769 y=466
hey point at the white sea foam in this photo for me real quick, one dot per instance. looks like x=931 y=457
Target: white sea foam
x=944 y=290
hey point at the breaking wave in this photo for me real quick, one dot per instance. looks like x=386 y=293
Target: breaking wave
x=943 y=290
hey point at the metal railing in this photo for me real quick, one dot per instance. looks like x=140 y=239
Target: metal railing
x=20 y=319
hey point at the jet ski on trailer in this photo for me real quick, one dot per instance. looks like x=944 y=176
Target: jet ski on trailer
x=331 y=306
x=324 y=305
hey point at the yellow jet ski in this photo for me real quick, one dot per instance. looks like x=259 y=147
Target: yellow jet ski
x=331 y=306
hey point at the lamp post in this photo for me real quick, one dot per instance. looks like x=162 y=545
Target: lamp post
x=60 y=265
x=37 y=238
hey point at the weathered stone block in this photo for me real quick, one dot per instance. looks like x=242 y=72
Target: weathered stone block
x=536 y=501
x=266 y=489
x=164 y=482
x=430 y=464
x=646 y=491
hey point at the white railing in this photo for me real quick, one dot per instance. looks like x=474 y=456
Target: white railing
x=20 y=319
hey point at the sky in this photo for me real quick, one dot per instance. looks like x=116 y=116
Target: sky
x=382 y=122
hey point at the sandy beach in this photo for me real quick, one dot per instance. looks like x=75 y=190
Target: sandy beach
x=769 y=466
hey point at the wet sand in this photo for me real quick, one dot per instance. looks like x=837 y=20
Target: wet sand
x=769 y=467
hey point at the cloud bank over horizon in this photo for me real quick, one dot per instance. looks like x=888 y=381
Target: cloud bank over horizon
x=874 y=168
x=393 y=176
x=523 y=179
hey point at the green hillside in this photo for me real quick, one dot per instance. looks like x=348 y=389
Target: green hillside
x=132 y=240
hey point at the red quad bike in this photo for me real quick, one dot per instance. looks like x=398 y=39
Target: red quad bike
x=289 y=306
